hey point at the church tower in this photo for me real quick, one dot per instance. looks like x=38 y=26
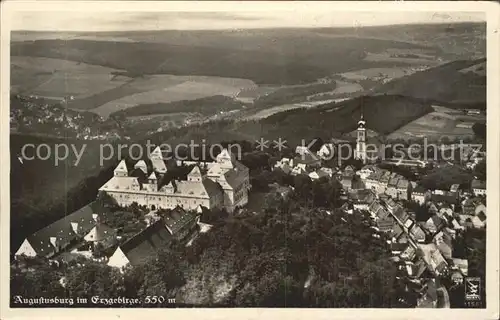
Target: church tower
x=361 y=140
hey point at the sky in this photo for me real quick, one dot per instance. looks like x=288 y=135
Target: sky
x=202 y=20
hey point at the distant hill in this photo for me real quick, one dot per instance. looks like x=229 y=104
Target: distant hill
x=457 y=82
x=266 y=57
x=384 y=114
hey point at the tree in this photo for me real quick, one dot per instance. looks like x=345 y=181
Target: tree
x=480 y=170
x=479 y=130
x=94 y=279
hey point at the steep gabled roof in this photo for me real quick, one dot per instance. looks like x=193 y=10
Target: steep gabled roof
x=63 y=230
x=99 y=233
x=122 y=166
x=152 y=176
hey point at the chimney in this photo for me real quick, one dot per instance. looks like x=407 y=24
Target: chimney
x=53 y=241
x=74 y=226
x=94 y=216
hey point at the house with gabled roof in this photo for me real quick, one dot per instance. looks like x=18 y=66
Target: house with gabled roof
x=398 y=248
x=392 y=184
x=180 y=223
x=444 y=242
x=434 y=224
x=326 y=151
x=435 y=261
x=318 y=174
x=372 y=181
x=478 y=187
x=366 y=171
x=299 y=169
x=385 y=224
x=409 y=253
x=416 y=233
x=141 y=247
x=397 y=231
x=461 y=264
x=420 y=194
x=101 y=234
x=61 y=234
x=401 y=214
x=362 y=199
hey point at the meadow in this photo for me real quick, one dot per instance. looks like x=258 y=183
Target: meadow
x=441 y=122
x=59 y=77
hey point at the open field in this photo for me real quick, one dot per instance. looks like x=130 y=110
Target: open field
x=57 y=78
x=450 y=82
x=441 y=122
x=286 y=107
x=189 y=90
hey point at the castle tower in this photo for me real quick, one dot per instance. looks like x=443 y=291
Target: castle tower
x=195 y=175
x=121 y=169
x=361 y=141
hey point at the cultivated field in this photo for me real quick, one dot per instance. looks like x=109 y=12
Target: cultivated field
x=189 y=88
x=57 y=78
x=442 y=122
x=100 y=90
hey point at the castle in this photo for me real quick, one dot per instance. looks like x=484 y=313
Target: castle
x=220 y=184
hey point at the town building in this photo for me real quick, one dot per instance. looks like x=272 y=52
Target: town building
x=327 y=151
x=180 y=223
x=366 y=171
x=478 y=187
x=223 y=183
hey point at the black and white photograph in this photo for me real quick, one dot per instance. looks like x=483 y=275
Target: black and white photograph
x=260 y=155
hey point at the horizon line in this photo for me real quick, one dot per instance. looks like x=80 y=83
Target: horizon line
x=427 y=23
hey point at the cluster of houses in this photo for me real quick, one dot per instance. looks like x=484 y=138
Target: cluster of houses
x=423 y=249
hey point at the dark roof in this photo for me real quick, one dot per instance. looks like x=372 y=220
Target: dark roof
x=478 y=184
x=139 y=174
x=400 y=213
x=178 y=218
x=383 y=213
x=448 y=197
x=63 y=231
x=397 y=231
x=213 y=188
x=357 y=184
x=438 y=222
x=417 y=232
x=395 y=246
x=146 y=243
x=386 y=224
x=419 y=189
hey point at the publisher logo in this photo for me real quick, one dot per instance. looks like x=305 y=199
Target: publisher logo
x=472 y=289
